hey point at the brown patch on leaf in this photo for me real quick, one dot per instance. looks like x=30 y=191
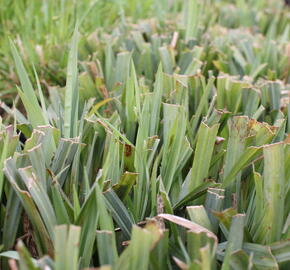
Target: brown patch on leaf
x=128 y=150
x=287 y=140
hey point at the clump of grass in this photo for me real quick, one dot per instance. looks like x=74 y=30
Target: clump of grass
x=166 y=147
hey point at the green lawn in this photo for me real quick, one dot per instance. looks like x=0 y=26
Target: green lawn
x=146 y=134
